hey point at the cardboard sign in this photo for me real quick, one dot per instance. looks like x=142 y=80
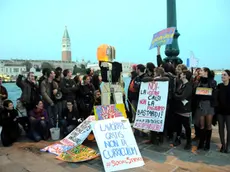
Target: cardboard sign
x=150 y=114
x=163 y=37
x=117 y=145
x=203 y=91
x=79 y=134
x=109 y=111
x=78 y=154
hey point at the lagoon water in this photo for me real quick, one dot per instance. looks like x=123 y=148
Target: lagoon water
x=14 y=92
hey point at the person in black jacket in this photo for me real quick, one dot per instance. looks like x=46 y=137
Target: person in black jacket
x=86 y=97
x=205 y=97
x=131 y=93
x=68 y=87
x=136 y=87
x=70 y=118
x=10 y=128
x=183 y=110
x=223 y=110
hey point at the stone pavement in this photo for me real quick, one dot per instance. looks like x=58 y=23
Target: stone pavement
x=25 y=156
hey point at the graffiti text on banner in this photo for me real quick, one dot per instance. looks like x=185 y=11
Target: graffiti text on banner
x=109 y=111
x=152 y=105
x=117 y=144
x=79 y=134
x=163 y=37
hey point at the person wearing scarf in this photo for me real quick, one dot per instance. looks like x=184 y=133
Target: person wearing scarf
x=39 y=122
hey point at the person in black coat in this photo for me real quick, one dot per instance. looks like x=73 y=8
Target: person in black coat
x=223 y=110
x=183 y=108
x=70 y=118
x=86 y=97
x=10 y=128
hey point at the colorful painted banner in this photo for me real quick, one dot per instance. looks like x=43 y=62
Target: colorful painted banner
x=78 y=154
x=56 y=148
x=152 y=106
x=163 y=37
x=109 y=111
x=203 y=91
x=117 y=145
x=79 y=134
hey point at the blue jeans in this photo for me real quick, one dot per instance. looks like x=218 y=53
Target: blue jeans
x=39 y=129
x=66 y=128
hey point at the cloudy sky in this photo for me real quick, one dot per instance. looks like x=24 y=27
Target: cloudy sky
x=33 y=29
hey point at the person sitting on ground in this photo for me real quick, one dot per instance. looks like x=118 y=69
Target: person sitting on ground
x=23 y=119
x=10 y=129
x=39 y=122
x=70 y=118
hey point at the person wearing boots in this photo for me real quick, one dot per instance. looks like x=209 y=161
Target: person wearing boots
x=183 y=99
x=205 y=93
x=223 y=110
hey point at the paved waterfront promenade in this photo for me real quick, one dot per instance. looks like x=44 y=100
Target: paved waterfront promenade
x=26 y=157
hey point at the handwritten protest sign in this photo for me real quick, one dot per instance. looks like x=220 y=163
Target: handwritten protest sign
x=78 y=154
x=151 y=107
x=163 y=37
x=109 y=111
x=79 y=134
x=117 y=144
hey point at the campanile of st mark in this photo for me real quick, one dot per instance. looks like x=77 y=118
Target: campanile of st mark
x=66 y=46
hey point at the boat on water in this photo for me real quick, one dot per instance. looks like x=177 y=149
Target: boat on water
x=7 y=79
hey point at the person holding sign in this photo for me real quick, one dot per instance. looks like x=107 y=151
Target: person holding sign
x=205 y=96
x=223 y=110
x=183 y=99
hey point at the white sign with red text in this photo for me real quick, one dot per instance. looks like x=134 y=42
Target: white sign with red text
x=152 y=105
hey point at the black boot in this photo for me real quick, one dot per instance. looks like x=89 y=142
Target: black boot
x=202 y=138
x=177 y=141
x=188 y=145
x=208 y=140
x=153 y=137
x=226 y=150
x=222 y=149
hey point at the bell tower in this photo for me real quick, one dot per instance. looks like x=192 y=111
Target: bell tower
x=66 y=46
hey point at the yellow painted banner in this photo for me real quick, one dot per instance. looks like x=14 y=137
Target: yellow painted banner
x=109 y=111
x=78 y=154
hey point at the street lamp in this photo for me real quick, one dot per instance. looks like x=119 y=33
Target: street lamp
x=172 y=50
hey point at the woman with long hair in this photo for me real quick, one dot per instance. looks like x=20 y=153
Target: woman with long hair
x=205 y=94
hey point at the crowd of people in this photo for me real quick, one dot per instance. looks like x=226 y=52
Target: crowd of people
x=191 y=95
x=54 y=100
x=58 y=100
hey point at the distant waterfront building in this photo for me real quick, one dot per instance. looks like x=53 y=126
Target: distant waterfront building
x=11 y=69
x=66 y=46
x=94 y=66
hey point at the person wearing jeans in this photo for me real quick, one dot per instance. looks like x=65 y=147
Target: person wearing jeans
x=39 y=123
x=223 y=110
